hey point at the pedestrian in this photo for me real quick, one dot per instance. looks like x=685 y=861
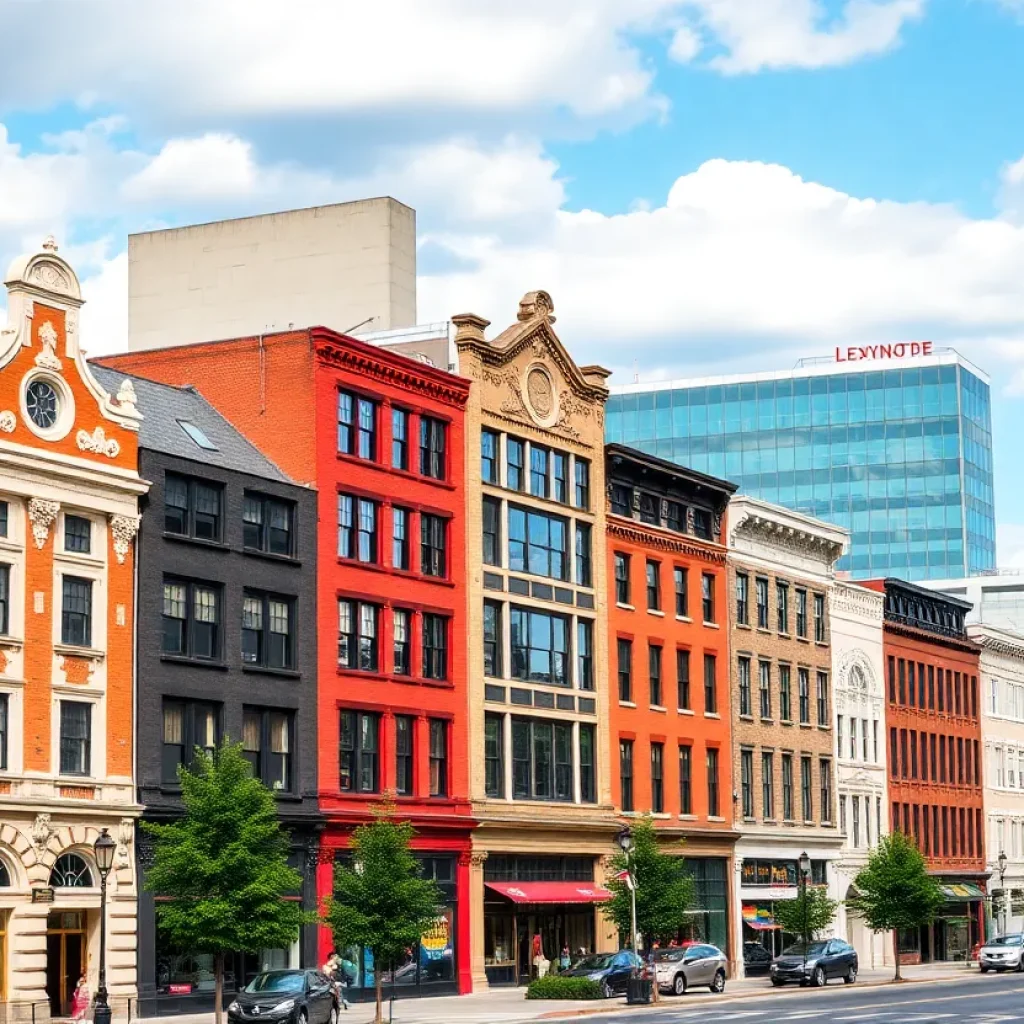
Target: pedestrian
x=80 y=1000
x=333 y=970
x=564 y=961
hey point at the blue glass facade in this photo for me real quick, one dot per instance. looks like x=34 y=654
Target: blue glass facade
x=900 y=457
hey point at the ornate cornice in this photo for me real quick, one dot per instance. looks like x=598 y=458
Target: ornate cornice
x=652 y=537
x=851 y=599
x=787 y=536
x=1003 y=644
x=926 y=636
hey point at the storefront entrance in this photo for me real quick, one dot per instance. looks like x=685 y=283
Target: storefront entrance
x=65 y=958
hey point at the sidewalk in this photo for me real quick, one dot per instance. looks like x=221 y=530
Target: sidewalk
x=508 y=1005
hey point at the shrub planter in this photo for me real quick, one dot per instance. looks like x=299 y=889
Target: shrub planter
x=554 y=986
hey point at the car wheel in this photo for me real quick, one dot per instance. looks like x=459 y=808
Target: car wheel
x=818 y=978
x=777 y=983
x=606 y=990
x=984 y=969
x=851 y=975
x=679 y=985
x=718 y=982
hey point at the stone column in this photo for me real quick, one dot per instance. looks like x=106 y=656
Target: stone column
x=476 y=919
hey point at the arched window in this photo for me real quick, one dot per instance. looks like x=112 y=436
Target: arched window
x=71 y=872
x=5 y=876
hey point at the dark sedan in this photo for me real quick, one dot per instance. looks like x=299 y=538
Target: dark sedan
x=611 y=971
x=815 y=963
x=756 y=959
x=286 y=997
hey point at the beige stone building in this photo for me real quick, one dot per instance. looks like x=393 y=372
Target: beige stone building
x=784 y=799
x=539 y=768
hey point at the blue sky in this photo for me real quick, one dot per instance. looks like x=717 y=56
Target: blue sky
x=703 y=185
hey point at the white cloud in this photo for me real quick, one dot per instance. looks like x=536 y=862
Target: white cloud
x=685 y=45
x=212 y=166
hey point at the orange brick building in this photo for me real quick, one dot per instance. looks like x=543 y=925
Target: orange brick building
x=69 y=493
x=669 y=719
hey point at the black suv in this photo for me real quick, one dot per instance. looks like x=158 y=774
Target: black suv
x=286 y=997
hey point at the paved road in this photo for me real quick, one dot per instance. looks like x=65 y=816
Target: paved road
x=973 y=1000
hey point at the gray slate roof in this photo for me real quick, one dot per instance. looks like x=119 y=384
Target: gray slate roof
x=163 y=407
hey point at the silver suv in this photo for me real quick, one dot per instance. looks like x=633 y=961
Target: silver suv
x=699 y=964
x=1004 y=953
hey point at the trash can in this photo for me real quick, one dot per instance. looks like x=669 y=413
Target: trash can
x=639 y=990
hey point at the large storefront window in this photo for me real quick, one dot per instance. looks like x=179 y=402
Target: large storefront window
x=710 y=917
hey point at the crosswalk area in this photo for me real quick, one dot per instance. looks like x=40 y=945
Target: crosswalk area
x=835 y=1015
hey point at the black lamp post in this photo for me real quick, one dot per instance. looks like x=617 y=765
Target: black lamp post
x=625 y=841
x=1001 y=860
x=805 y=872
x=103 y=849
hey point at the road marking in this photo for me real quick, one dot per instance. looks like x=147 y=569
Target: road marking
x=867 y=1016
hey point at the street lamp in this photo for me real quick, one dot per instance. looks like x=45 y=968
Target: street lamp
x=625 y=841
x=1001 y=860
x=103 y=850
x=805 y=872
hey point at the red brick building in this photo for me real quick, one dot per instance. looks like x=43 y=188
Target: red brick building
x=934 y=735
x=381 y=437
x=669 y=720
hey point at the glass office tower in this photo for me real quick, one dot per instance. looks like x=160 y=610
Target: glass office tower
x=898 y=452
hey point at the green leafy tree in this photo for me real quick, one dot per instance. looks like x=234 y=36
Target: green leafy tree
x=664 y=889
x=380 y=901
x=895 y=891
x=813 y=902
x=221 y=871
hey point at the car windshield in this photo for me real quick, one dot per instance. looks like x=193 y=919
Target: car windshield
x=277 y=981
x=661 y=955
x=595 y=963
x=797 y=949
x=1007 y=940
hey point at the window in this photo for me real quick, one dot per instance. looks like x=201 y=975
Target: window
x=803 y=676
x=492 y=532
x=433 y=545
x=357 y=528
x=744 y=681
x=267 y=745
x=77 y=535
x=192 y=508
x=5 y=728
x=267 y=631
x=404 y=755
x=675 y=516
x=654 y=673
x=764 y=672
x=679 y=576
x=621 y=578
x=820 y=633
x=76 y=611
x=685 y=779
x=357 y=635
x=187 y=725
x=657 y=778
x=488 y=456
x=712 y=772
x=438 y=757
x=650 y=509
x=267 y=525
x=747 y=782
x=683 y=680
x=399 y=439
x=583 y=577
x=761 y=586
x=585 y=654
x=622 y=500
x=432 y=447
x=784 y=699
x=582 y=483
x=742 y=598
x=71 y=872
x=702 y=524
x=5 y=599
x=801 y=613
x=825 y=768
x=625 y=661
x=559 y=475
x=357 y=426
x=823 y=718
x=787 y=787
x=782 y=605
x=853 y=739
x=542 y=760
x=399 y=538
x=492 y=639
x=540 y=647
x=805 y=788
x=767 y=785
x=515 y=453
x=75 y=738
x=588 y=776
x=191 y=620
x=359 y=752
x=4 y=517
x=538 y=471
x=653 y=586
x=537 y=543
x=494 y=756
x=710 y=685
x=435 y=646
x=626 y=773
x=707 y=592
x=401 y=630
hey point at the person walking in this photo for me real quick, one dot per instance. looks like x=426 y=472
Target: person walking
x=333 y=970
x=80 y=1000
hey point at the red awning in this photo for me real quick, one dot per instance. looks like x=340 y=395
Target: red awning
x=550 y=892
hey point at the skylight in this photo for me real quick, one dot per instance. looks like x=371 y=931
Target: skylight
x=197 y=436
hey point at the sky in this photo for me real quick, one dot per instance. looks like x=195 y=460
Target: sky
x=703 y=186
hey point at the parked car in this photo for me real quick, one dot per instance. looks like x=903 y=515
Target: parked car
x=287 y=997
x=756 y=959
x=611 y=971
x=699 y=964
x=1004 y=953
x=815 y=964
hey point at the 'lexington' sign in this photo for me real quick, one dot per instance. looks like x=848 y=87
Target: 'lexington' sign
x=899 y=350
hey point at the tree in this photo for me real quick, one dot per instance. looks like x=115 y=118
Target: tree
x=221 y=871
x=895 y=891
x=814 y=902
x=380 y=901
x=664 y=889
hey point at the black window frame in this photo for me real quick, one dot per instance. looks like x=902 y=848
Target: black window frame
x=657 y=777
x=357 y=755
x=77 y=534
x=712 y=762
x=782 y=606
x=710 y=683
x=192 y=627
x=82 y=755
x=76 y=610
x=265 y=655
x=355 y=438
x=654 y=677
x=626 y=775
x=787 y=786
x=747 y=782
x=400 y=438
x=803 y=682
x=785 y=692
x=559 y=477
x=761 y=601
x=801 y=613
x=807 y=787
x=521 y=622
x=552 y=561
x=686 y=778
x=494 y=641
x=401 y=647
x=401 y=522
x=489 y=459
x=5 y=729
x=588 y=763
x=439 y=734
x=204 y=526
x=742 y=599
x=584 y=574
x=433 y=448
x=490 y=528
x=820 y=619
x=494 y=756
x=683 y=679
x=622 y=565
x=652 y=576
x=767 y=784
x=267 y=764
x=540 y=471
x=515 y=471
x=743 y=685
x=434 y=629
x=681 y=582
x=263 y=528
x=585 y=679
x=356 y=641
x=764 y=689
x=624 y=664
x=405 y=759
x=550 y=782
x=822 y=695
x=434 y=545
x=707 y=593
x=5 y=599
x=581 y=484
x=357 y=543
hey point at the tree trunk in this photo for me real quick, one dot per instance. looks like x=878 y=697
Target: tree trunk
x=896 y=952
x=379 y=986
x=218 y=987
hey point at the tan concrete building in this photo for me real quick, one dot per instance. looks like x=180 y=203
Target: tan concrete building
x=344 y=266
x=539 y=773
x=784 y=798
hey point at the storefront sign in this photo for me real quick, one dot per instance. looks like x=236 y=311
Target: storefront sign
x=42 y=895
x=900 y=350
x=179 y=990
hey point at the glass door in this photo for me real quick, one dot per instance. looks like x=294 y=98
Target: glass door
x=65 y=958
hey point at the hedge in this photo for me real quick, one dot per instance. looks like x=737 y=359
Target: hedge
x=554 y=986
